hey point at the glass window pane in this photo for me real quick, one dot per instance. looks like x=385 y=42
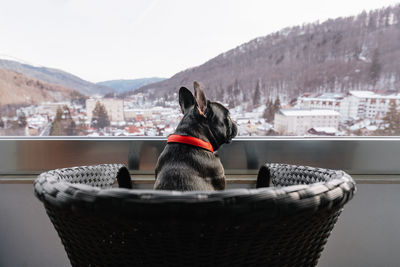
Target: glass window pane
x=73 y=68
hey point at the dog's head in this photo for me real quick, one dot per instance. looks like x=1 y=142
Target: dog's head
x=211 y=115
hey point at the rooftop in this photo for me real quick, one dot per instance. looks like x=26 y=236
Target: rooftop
x=371 y=94
x=309 y=112
x=324 y=96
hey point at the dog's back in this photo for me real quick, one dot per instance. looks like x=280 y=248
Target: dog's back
x=185 y=168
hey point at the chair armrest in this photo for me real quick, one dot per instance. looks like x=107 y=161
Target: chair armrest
x=286 y=175
x=102 y=175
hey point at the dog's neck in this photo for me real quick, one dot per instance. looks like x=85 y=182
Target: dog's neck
x=198 y=130
x=190 y=140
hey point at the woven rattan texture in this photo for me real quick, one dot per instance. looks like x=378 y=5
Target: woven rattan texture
x=278 y=226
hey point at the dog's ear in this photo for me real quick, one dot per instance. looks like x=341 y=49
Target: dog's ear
x=186 y=99
x=200 y=98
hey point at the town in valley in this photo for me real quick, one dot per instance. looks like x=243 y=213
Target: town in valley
x=354 y=113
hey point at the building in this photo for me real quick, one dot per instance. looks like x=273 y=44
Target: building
x=373 y=105
x=345 y=104
x=300 y=121
x=322 y=101
x=353 y=105
x=49 y=108
x=135 y=113
x=114 y=107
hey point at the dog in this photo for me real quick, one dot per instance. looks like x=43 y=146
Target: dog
x=188 y=161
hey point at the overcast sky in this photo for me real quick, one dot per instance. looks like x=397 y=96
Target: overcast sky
x=103 y=40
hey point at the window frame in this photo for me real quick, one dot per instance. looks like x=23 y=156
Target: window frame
x=356 y=155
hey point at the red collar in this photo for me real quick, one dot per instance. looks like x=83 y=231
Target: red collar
x=174 y=138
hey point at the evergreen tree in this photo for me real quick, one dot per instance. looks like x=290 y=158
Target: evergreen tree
x=277 y=104
x=245 y=97
x=231 y=96
x=371 y=22
x=375 y=68
x=236 y=91
x=69 y=124
x=257 y=95
x=99 y=116
x=59 y=114
x=63 y=124
x=269 y=111
x=236 y=86
x=57 y=128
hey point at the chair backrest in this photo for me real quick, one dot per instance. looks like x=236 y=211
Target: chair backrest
x=104 y=226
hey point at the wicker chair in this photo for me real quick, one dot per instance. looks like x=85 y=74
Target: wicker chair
x=284 y=225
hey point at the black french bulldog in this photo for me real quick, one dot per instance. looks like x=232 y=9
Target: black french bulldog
x=188 y=161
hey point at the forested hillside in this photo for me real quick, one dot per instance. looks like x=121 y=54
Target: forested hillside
x=361 y=52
